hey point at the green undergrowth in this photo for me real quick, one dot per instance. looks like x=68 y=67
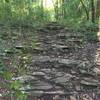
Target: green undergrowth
x=88 y=29
x=15 y=55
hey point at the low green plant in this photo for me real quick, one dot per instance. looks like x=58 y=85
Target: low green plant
x=14 y=87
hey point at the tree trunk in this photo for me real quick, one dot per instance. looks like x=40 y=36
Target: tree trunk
x=93 y=11
x=98 y=9
x=56 y=9
x=63 y=9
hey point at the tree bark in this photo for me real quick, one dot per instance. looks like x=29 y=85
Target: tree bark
x=97 y=9
x=92 y=11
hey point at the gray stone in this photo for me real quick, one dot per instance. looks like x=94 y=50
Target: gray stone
x=25 y=78
x=83 y=71
x=40 y=85
x=26 y=88
x=59 y=74
x=55 y=92
x=57 y=97
x=38 y=74
x=68 y=62
x=62 y=36
x=36 y=86
x=38 y=49
x=86 y=72
x=41 y=58
x=36 y=93
x=46 y=70
x=19 y=46
x=47 y=77
x=63 y=79
x=60 y=47
x=86 y=65
x=78 y=87
x=73 y=72
x=96 y=70
x=9 y=51
x=89 y=82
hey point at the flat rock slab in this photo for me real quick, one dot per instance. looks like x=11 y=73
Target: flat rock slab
x=39 y=85
x=38 y=50
x=41 y=58
x=69 y=35
x=47 y=62
x=40 y=93
x=96 y=70
x=46 y=70
x=59 y=60
x=36 y=93
x=63 y=47
x=63 y=79
x=25 y=78
x=68 y=62
x=85 y=65
x=38 y=74
x=90 y=82
x=19 y=46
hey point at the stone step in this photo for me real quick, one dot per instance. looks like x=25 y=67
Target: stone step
x=63 y=61
x=64 y=36
x=65 y=47
x=75 y=40
x=37 y=87
x=90 y=82
x=63 y=79
x=25 y=78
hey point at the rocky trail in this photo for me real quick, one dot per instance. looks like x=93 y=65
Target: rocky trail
x=64 y=66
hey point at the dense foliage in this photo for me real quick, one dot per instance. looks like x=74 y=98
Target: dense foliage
x=28 y=12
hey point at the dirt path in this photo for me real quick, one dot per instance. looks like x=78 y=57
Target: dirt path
x=63 y=67
x=65 y=63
